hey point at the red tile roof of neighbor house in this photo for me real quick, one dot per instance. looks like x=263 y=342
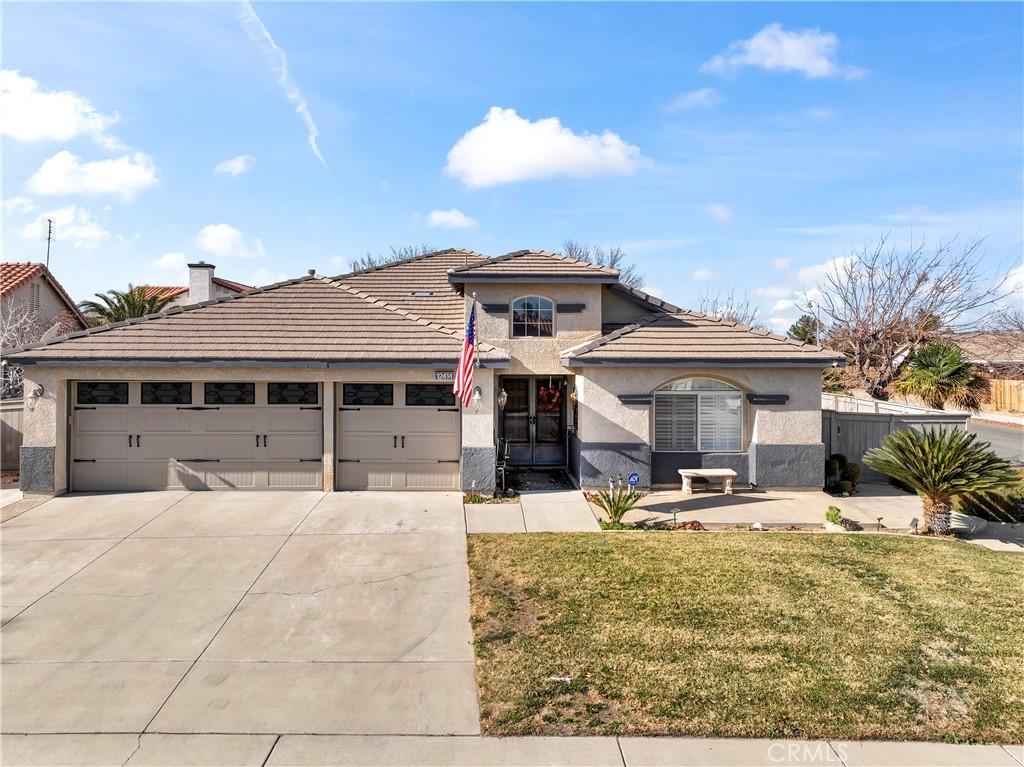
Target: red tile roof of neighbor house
x=170 y=291
x=14 y=275
x=407 y=312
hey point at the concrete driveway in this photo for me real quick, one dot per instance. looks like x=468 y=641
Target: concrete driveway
x=258 y=613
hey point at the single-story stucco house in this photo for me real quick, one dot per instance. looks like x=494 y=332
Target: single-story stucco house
x=345 y=383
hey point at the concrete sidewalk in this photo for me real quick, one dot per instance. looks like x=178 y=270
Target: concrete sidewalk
x=459 y=751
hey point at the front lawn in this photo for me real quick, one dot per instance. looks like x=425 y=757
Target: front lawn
x=746 y=634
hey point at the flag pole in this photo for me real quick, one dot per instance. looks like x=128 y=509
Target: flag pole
x=476 y=336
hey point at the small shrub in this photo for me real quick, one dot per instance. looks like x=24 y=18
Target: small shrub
x=834 y=515
x=617 y=501
x=475 y=498
x=852 y=473
x=614 y=525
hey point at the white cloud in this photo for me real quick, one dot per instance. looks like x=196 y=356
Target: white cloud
x=170 y=262
x=72 y=223
x=782 y=264
x=278 y=62
x=18 y=206
x=236 y=166
x=703 y=275
x=30 y=114
x=506 y=147
x=781 y=324
x=808 y=51
x=772 y=291
x=264 y=276
x=65 y=173
x=820 y=113
x=719 y=212
x=783 y=304
x=703 y=97
x=224 y=241
x=812 y=275
x=449 y=219
x=914 y=213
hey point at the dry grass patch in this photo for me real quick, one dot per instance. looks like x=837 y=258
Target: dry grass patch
x=747 y=635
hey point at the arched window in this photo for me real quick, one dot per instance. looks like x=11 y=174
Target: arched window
x=698 y=415
x=532 y=316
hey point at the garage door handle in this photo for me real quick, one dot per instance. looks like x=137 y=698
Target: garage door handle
x=129 y=440
x=403 y=442
x=196 y=407
x=395 y=438
x=138 y=440
x=264 y=440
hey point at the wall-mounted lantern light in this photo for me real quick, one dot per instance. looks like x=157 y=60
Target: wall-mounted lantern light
x=477 y=396
x=33 y=396
x=502 y=399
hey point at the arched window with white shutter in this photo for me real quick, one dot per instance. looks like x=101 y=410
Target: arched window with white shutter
x=698 y=415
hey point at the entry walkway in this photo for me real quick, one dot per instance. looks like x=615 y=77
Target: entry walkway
x=541 y=511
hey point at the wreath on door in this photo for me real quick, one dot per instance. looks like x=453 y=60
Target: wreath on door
x=549 y=398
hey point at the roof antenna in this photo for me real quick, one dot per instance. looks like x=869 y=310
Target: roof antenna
x=49 y=239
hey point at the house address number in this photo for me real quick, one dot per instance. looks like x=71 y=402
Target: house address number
x=444 y=375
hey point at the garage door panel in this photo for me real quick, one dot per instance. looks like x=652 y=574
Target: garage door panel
x=367 y=446
x=102 y=419
x=165 y=446
x=102 y=446
x=368 y=476
x=163 y=420
x=429 y=421
x=293 y=446
x=239 y=419
x=298 y=476
x=294 y=419
x=226 y=476
x=432 y=446
x=440 y=476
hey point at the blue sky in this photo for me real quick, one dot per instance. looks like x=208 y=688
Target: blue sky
x=723 y=146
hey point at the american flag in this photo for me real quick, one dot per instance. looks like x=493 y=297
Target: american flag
x=463 y=386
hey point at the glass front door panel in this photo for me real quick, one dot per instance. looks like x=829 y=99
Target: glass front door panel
x=550 y=407
x=517 y=410
x=533 y=421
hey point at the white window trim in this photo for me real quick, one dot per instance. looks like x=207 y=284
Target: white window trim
x=512 y=314
x=698 y=395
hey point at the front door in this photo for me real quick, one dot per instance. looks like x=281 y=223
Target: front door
x=533 y=421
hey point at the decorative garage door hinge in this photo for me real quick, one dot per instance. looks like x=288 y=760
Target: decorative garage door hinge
x=196 y=407
x=349 y=460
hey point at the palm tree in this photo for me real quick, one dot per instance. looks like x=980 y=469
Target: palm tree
x=939 y=373
x=117 y=305
x=940 y=464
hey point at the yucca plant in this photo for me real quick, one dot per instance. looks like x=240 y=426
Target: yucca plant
x=616 y=501
x=940 y=464
x=940 y=373
x=119 y=305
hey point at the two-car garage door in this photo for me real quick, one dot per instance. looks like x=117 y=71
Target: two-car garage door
x=237 y=435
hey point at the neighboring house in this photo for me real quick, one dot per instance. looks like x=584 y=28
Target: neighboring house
x=999 y=355
x=202 y=286
x=345 y=383
x=32 y=302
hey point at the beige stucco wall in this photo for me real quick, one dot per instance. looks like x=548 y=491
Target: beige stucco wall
x=47 y=424
x=615 y=308
x=51 y=304
x=537 y=355
x=603 y=418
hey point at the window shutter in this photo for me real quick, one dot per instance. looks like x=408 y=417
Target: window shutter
x=675 y=422
x=720 y=423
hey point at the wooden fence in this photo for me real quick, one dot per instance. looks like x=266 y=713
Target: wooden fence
x=853 y=434
x=1006 y=394
x=10 y=434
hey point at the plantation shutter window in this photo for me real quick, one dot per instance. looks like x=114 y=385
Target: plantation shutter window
x=698 y=415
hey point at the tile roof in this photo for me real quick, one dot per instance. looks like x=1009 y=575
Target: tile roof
x=419 y=285
x=534 y=265
x=310 y=320
x=992 y=347
x=14 y=275
x=680 y=337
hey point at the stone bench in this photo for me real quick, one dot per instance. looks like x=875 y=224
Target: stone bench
x=725 y=476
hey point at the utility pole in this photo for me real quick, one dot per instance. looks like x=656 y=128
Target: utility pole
x=49 y=240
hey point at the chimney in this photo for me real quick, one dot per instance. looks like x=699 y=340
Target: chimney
x=200 y=282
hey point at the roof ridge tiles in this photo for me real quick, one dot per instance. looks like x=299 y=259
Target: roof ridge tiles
x=420 y=257
x=533 y=252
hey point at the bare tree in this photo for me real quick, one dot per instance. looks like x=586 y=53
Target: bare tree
x=882 y=303
x=20 y=325
x=401 y=253
x=614 y=258
x=729 y=306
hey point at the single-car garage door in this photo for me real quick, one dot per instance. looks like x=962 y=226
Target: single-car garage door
x=218 y=435
x=393 y=436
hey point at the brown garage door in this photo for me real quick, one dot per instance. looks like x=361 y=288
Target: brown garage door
x=394 y=436
x=218 y=435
